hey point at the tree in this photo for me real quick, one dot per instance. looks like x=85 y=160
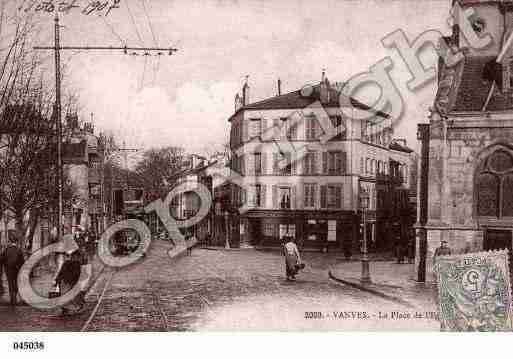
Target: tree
x=156 y=171
x=27 y=167
x=27 y=128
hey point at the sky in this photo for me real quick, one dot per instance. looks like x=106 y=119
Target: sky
x=186 y=99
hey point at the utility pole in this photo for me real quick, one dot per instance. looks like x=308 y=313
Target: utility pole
x=59 y=123
x=57 y=48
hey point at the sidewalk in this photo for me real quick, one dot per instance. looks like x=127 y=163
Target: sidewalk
x=390 y=280
x=42 y=282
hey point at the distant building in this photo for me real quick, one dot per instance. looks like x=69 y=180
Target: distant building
x=315 y=197
x=212 y=175
x=83 y=167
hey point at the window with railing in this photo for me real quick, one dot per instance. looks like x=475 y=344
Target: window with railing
x=284 y=196
x=282 y=163
x=309 y=163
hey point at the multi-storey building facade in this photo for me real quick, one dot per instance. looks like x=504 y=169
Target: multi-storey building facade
x=466 y=177
x=299 y=177
x=83 y=166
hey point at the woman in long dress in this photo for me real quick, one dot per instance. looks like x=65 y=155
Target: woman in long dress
x=292 y=258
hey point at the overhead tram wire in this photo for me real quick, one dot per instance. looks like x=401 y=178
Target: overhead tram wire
x=149 y=23
x=111 y=28
x=154 y=67
x=141 y=42
x=57 y=48
x=135 y=48
x=133 y=23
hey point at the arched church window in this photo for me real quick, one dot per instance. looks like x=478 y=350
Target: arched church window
x=494 y=186
x=500 y=161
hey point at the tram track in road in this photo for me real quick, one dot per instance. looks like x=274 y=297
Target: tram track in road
x=157 y=302
x=98 y=302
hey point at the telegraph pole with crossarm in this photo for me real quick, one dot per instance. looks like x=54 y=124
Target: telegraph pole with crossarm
x=57 y=48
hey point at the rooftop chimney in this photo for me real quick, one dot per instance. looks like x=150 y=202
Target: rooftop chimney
x=279 y=87
x=245 y=92
x=324 y=90
x=238 y=102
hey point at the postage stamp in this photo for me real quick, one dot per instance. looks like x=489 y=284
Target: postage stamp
x=474 y=292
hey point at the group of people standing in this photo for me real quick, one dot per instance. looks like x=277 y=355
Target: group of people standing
x=12 y=259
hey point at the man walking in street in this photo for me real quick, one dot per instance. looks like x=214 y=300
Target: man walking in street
x=12 y=259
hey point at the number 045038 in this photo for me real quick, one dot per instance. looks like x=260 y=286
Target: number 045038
x=28 y=345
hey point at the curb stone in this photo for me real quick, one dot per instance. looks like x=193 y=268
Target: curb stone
x=367 y=288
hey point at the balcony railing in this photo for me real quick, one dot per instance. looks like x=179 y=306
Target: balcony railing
x=392 y=179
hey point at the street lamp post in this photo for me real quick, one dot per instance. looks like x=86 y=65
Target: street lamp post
x=364 y=204
x=227 y=241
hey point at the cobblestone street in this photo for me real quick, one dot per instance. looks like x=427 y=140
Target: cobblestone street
x=221 y=290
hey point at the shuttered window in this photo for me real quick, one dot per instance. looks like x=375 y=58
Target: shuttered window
x=263 y=161
x=310 y=128
x=255 y=127
x=309 y=163
x=258 y=163
x=276 y=128
x=275 y=196
x=324 y=203
x=276 y=158
x=333 y=196
x=309 y=195
x=263 y=195
x=245 y=131
x=258 y=195
x=291 y=130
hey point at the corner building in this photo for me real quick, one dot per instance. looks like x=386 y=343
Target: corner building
x=289 y=182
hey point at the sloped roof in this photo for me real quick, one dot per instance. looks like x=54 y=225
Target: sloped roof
x=469 y=2
x=297 y=100
x=465 y=87
x=398 y=147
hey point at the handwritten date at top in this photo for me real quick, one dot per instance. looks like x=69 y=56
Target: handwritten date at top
x=65 y=6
